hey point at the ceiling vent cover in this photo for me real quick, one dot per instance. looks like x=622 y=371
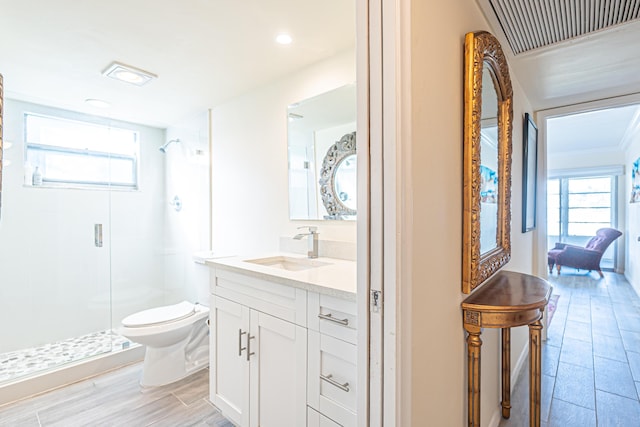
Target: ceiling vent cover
x=531 y=24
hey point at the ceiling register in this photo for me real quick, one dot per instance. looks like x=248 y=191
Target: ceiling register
x=532 y=24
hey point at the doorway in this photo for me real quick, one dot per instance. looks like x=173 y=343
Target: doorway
x=588 y=151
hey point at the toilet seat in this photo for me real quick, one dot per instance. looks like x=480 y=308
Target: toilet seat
x=160 y=315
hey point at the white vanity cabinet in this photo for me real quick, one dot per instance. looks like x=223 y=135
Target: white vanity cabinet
x=258 y=351
x=283 y=341
x=332 y=360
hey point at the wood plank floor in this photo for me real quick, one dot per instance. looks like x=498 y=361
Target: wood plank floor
x=116 y=399
x=591 y=359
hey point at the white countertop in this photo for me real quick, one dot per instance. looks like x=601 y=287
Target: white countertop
x=337 y=277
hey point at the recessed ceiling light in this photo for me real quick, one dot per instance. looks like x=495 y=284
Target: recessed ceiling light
x=128 y=74
x=97 y=103
x=284 y=39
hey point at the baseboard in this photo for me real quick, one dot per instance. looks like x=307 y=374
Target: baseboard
x=68 y=374
x=515 y=374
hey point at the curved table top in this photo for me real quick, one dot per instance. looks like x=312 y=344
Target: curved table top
x=509 y=291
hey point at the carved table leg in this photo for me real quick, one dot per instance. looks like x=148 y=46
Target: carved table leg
x=506 y=372
x=535 y=365
x=474 y=344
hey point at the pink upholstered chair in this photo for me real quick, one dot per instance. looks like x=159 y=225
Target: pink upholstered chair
x=587 y=258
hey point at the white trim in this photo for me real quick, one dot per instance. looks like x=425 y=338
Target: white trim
x=363 y=223
x=395 y=36
x=586 y=172
x=376 y=211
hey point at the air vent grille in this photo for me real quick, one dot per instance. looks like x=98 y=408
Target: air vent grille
x=531 y=24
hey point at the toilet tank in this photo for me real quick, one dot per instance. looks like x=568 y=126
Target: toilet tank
x=201 y=277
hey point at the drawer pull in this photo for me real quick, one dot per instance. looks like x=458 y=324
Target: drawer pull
x=249 y=352
x=330 y=380
x=330 y=317
x=240 y=347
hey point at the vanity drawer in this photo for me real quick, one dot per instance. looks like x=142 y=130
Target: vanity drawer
x=316 y=419
x=333 y=316
x=332 y=378
x=284 y=302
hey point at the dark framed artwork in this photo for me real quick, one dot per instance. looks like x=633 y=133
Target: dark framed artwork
x=529 y=173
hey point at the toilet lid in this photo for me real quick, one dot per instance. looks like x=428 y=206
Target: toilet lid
x=158 y=315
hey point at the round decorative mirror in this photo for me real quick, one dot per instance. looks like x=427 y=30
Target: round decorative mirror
x=338 y=185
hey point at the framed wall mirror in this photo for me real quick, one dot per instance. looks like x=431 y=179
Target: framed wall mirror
x=488 y=114
x=322 y=163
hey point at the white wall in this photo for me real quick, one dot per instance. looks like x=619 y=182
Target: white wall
x=433 y=364
x=632 y=232
x=584 y=159
x=249 y=162
x=54 y=283
x=187 y=230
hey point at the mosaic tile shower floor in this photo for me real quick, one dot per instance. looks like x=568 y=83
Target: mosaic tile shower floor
x=21 y=363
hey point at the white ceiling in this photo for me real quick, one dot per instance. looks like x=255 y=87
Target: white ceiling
x=204 y=51
x=593 y=131
x=207 y=51
x=596 y=66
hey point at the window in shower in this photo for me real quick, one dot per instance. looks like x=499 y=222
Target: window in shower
x=70 y=153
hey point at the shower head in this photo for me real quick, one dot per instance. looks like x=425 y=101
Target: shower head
x=164 y=147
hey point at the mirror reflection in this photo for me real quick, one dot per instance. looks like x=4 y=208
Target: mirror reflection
x=488 y=163
x=345 y=182
x=315 y=125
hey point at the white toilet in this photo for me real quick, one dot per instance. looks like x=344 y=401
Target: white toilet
x=177 y=340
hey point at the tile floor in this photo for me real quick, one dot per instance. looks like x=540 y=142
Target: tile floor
x=591 y=359
x=115 y=399
x=21 y=363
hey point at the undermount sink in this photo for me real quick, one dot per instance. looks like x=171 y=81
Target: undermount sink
x=288 y=263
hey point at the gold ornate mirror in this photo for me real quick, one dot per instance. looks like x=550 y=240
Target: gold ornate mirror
x=488 y=114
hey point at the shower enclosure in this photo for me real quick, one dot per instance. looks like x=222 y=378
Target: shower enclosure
x=78 y=255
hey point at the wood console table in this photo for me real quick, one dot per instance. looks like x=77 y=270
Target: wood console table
x=506 y=300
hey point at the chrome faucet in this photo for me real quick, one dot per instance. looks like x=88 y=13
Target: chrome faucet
x=313 y=240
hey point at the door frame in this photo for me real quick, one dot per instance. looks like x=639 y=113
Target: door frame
x=384 y=99
x=540 y=233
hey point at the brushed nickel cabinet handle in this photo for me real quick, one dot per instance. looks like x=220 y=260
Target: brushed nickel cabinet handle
x=97 y=235
x=330 y=380
x=249 y=352
x=240 y=347
x=330 y=317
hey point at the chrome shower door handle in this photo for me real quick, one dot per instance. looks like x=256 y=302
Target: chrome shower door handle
x=97 y=235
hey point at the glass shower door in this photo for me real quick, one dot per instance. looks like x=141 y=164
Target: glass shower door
x=55 y=303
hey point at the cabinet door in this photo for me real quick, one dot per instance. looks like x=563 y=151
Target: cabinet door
x=229 y=368
x=277 y=372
